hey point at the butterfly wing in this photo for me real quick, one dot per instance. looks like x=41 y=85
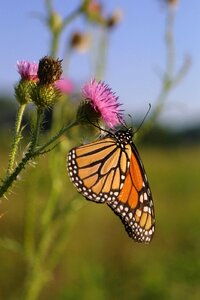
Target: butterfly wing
x=98 y=169
x=134 y=205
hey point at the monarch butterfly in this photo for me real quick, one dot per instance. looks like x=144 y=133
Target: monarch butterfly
x=110 y=171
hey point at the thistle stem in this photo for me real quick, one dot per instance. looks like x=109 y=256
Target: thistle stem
x=36 y=133
x=55 y=137
x=168 y=79
x=31 y=153
x=102 y=54
x=56 y=36
x=17 y=138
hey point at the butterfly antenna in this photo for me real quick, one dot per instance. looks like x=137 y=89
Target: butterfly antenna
x=123 y=123
x=143 y=118
x=100 y=128
x=131 y=120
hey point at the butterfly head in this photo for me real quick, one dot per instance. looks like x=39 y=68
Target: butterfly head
x=124 y=136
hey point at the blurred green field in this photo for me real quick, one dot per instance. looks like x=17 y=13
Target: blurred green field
x=100 y=261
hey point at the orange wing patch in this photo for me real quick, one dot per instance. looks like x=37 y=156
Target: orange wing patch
x=135 y=205
x=132 y=185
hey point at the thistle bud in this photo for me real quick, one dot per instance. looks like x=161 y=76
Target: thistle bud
x=23 y=91
x=55 y=22
x=93 y=11
x=45 y=96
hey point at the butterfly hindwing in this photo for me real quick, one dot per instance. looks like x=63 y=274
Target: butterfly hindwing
x=134 y=205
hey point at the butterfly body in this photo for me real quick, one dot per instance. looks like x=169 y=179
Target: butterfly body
x=110 y=171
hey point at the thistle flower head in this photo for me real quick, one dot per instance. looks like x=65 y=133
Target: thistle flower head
x=103 y=101
x=27 y=70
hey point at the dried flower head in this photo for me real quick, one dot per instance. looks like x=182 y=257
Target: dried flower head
x=114 y=19
x=27 y=70
x=172 y=2
x=49 y=70
x=80 y=41
x=103 y=102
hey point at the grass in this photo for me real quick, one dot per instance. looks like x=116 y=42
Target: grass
x=100 y=261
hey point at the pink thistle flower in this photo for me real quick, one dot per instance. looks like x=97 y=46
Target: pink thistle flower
x=28 y=70
x=64 y=85
x=104 y=102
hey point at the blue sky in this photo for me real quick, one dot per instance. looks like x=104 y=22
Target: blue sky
x=136 y=52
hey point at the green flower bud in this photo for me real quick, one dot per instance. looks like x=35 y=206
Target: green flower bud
x=23 y=91
x=55 y=22
x=45 y=96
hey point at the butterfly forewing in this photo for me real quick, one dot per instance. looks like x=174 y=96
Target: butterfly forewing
x=94 y=169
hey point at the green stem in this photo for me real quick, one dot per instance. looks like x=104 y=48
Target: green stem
x=71 y=17
x=54 y=196
x=38 y=276
x=56 y=232
x=31 y=153
x=49 y=7
x=35 y=284
x=66 y=220
x=17 y=138
x=36 y=133
x=13 y=176
x=170 y=59
x=170 y=47
x=55 y=137
x=30 y=222
x=168 y=80
x=55 y=44
x=56 y=36
x=102 y=52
